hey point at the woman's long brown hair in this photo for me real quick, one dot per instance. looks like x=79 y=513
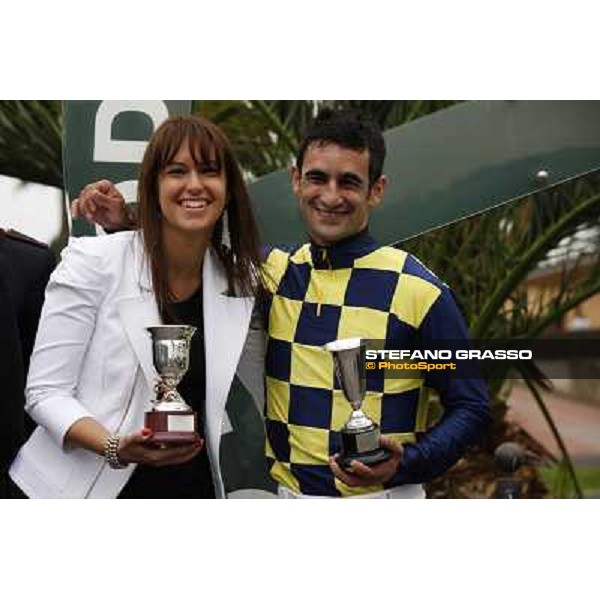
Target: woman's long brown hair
x=207 y=144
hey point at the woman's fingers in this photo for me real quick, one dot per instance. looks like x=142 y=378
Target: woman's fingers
x=140 y=447
x=102 y=203
x=182 y=455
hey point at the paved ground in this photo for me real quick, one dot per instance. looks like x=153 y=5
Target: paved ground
x=578 y=423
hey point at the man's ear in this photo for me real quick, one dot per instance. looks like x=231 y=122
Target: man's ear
x=296 y=177
x=377 y=191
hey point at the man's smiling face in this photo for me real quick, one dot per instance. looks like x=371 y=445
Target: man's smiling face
x=333 y=191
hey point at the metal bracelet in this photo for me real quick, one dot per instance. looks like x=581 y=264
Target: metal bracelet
x=110 y=453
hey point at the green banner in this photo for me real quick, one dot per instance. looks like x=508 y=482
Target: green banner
x=106 y=139
x=456 y=163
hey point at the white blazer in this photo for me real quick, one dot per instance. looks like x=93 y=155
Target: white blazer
x=93 y=357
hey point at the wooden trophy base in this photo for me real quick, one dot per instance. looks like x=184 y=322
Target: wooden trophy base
x=172 y=427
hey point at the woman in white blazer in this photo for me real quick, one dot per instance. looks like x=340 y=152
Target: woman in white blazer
x=91 y=377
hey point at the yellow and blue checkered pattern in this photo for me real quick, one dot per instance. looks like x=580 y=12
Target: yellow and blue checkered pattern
x=354 y=289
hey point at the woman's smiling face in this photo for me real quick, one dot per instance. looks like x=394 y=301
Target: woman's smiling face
x=192 y=196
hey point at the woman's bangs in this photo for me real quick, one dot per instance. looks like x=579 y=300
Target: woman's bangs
x=172 y=139
x=205 y=147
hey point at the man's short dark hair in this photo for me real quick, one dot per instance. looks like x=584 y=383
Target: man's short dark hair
x=348 y=129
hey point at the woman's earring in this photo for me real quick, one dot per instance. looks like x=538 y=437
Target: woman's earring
x=225 y=237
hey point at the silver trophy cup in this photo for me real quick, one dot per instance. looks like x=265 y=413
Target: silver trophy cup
x=360 y=435
x=171 y=419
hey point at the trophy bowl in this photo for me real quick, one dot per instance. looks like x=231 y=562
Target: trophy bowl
x=360 y=435
x=171 y=419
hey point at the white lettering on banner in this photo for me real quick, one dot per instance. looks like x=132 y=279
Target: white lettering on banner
x=409 y=354
x=494 y=355
x=123 y=151
x=128 y=190
x=447 y=354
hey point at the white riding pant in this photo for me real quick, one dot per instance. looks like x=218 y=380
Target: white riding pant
x=406 y=492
